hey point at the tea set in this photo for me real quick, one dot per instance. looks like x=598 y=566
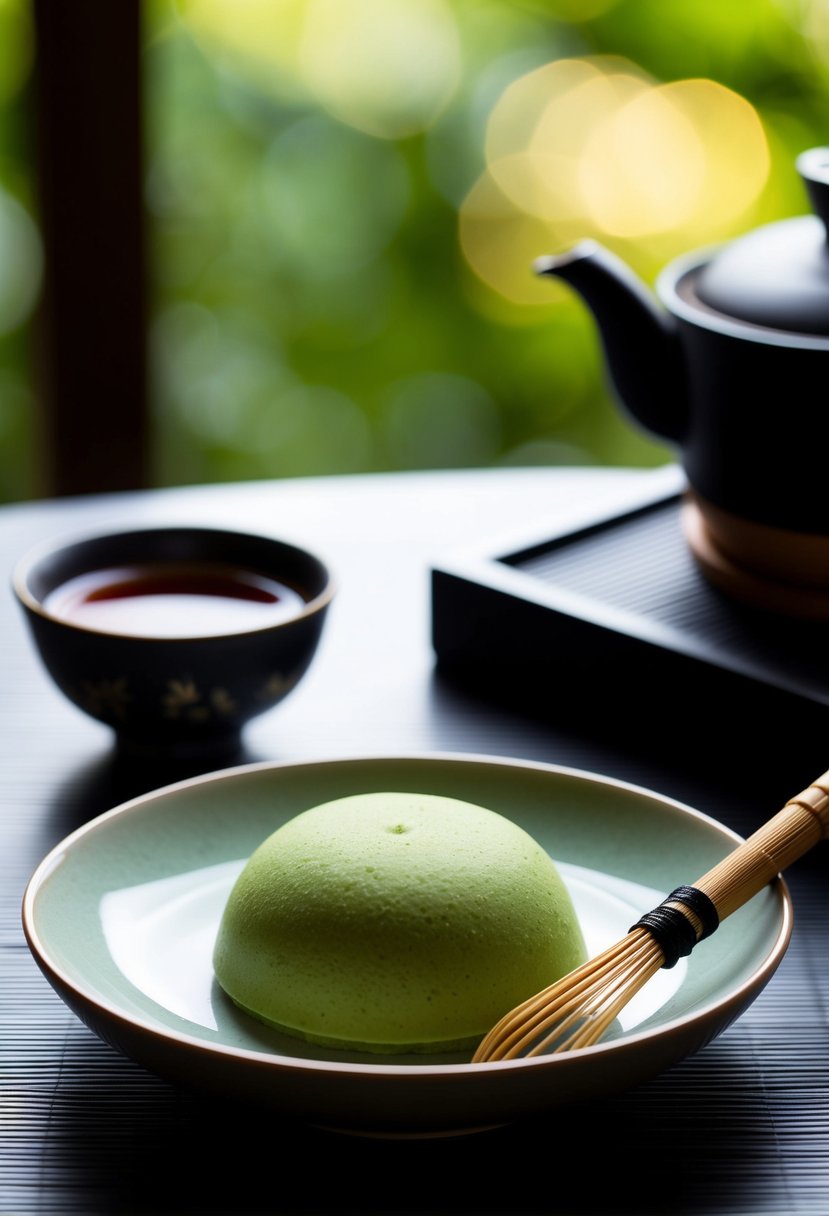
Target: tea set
x=725 y=361
x=246 y=614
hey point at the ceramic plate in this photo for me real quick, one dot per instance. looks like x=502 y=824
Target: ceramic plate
x=121 y=918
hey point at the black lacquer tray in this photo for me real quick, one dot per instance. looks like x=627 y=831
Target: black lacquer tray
x=613 y=618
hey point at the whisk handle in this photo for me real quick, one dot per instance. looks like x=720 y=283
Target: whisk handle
x=802 y=823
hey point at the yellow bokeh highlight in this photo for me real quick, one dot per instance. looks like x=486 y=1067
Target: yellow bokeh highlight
x=260 y=39
x=500 y=243
x=690 y=157
x=642 y=169
x=811 y=19
x=596 y=148
x=736 y=152
x=387 y=69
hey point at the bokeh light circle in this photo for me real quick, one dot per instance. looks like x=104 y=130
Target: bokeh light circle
x=387 y=69
x=687 y=156
x=596 y=148
x=259 y=39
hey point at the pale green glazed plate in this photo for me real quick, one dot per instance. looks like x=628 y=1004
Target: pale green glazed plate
x=121 y=918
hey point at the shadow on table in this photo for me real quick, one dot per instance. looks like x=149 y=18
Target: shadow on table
x=668 y=1146
x=117 y=776
x=690 y=740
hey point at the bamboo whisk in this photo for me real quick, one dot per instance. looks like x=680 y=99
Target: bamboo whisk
x=578 y=1009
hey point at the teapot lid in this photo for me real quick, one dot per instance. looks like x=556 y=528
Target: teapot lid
x=778 y=275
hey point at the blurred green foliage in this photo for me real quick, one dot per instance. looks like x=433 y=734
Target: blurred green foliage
x=312 y=308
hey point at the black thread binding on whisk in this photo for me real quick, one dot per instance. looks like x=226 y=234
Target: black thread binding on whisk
x=671 y=927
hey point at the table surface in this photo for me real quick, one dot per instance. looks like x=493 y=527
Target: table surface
x=740 y=1127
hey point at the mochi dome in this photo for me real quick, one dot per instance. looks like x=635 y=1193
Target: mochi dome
x=394 y=922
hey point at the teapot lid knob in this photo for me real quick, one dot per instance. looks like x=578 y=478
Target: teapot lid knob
x=813 y=167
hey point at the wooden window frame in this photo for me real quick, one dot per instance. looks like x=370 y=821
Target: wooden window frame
x=91 y=328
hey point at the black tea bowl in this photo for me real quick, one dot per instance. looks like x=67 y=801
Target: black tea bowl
x=175 y=637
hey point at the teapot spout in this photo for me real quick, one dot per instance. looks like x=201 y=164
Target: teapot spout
x=640 y=339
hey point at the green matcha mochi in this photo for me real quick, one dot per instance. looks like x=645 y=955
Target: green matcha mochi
x=394 y=922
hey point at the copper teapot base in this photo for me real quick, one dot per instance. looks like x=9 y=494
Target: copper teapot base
x=773 y=569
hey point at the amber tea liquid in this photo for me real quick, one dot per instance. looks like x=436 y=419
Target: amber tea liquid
x=165 y=600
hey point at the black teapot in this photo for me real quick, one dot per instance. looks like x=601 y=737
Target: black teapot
x=728 y=361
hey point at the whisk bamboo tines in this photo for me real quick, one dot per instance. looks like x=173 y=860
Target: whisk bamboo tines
x=578 y=1009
